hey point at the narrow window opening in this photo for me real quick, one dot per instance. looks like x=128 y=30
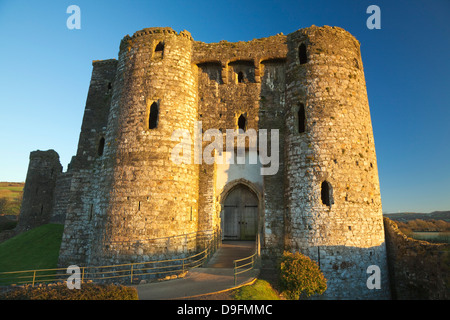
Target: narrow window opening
x=159 y=47
x=326 y=194
x=242 y=123
x=91 y=211
x=101 y=146
x=301 y=119
x=42 y=209
x=302 y=54
x=109 y=86
x=159 y=50
x=139 y=207
x=240 y=77
x=153 y=117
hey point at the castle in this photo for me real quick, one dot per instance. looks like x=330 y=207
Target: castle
x=123 y=193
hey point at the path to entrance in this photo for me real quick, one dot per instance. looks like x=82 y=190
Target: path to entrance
x=229 y=251
x=217 y=276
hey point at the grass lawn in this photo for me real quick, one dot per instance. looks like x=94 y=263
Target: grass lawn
x=11 y=195
x=260 y=290
x=11 y=190
x=35 y=249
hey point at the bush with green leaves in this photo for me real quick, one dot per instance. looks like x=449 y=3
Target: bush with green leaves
x=300 y=277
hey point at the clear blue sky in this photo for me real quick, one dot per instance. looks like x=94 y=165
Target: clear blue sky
x=45 y=70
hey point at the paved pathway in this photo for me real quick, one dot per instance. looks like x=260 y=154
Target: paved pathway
x=217 y=276
x=229 y=251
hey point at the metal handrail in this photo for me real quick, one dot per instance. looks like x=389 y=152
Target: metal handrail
x=131 y=270
x=161 y=238
x=251 y=264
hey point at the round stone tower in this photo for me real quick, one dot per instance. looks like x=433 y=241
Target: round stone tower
x=147 y=203
x=333 y=203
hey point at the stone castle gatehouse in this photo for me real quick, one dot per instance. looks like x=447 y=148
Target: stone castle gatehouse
x=123 y=191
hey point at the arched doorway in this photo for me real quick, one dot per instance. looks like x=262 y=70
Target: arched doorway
x=240 y=214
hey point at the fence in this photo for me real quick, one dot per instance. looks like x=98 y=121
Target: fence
x=122 y=273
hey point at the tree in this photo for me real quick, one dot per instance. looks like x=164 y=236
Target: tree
x=442 y=225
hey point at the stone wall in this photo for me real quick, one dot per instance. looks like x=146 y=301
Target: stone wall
x=258 y=96
x=418 y=269
x=86 y=168
x=61 y=197
x=38 y=194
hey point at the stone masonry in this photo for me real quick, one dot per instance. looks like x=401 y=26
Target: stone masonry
x=124 y=200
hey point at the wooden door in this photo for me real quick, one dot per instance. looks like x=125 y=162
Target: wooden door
x=249 y=222
x=231 y=222
x=240 y=218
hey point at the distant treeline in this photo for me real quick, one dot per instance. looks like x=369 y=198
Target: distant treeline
x=419 y=225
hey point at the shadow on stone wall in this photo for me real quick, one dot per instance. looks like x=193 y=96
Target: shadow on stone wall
x=348 y=271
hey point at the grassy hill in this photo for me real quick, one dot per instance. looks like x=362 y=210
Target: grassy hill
x=11 y=197
x=39 y=249
x=11 y=189
x=35 y=249
x=408 y=216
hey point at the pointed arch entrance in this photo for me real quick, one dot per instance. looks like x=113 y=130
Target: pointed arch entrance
x=240 y=212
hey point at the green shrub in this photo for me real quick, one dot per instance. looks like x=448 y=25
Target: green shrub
x=300 y=277
x=88 y=291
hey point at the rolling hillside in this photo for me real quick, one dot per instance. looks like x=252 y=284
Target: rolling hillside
x=408 y=216
x=11 y=197
x=35 y=249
